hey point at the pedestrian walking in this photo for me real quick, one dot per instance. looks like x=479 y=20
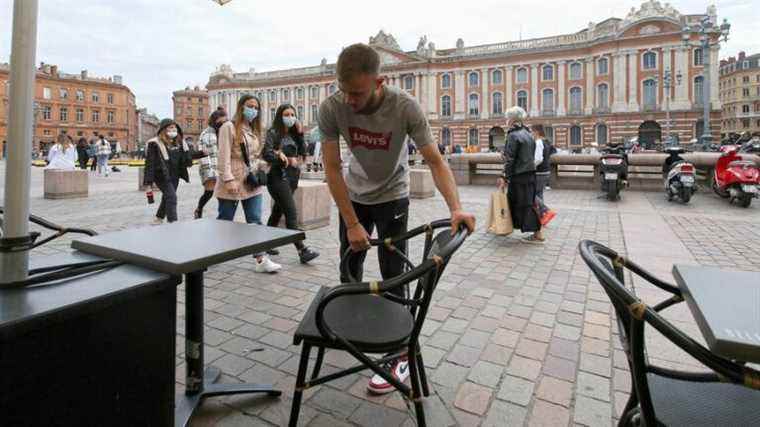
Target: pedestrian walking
x=92 y=154
x=544 y=150
x=103 y=148
x=82 y=155
x=519 y=176
x=239 y=170
x=209 y=148
x=166 y=161
x=283 y=147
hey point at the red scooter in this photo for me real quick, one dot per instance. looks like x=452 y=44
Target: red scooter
x=736 y=179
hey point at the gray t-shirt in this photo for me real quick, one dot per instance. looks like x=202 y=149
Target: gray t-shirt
x=378 y=171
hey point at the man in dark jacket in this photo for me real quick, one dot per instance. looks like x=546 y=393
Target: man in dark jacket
x=520 y=176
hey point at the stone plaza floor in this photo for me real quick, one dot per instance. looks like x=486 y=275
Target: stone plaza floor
x=517 y=334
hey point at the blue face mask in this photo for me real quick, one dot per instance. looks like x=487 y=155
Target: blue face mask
x=250 y=113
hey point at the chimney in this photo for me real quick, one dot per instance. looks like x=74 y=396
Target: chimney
x=117 y=79
x=742 y=55
x=84 y=74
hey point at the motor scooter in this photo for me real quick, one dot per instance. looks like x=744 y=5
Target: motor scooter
x=613 y=170
x=678 y=176
x=736 y=178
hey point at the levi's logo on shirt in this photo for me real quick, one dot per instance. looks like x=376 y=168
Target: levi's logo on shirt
x=369 y=140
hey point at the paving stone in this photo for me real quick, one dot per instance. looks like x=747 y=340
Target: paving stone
x=443 y=340
x=594 y=386
x=485 y=373
x=455 y=326
x=592 y=413
x=505 y=337
x=595 y=346
x=486 y=324
x=464 y=356
x=371 y=415
x=531 y=349
x=559 y=368
x=513 y=323
x=596 y=364
x=524 y=368
x=555 y=391
x=622 y=380
x=335 y=402
x=233 y=365
x=475 y=339
x=251 y=331
x=565 y=349
x=502 y=414
x=516 y=390
x=496 y=354
x=473 y=398
x=450 y=375
x=567 y=332
x=545 y=414
x=537 y=332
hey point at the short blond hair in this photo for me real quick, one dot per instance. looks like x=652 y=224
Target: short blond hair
x=517 y=114
x=357 y=59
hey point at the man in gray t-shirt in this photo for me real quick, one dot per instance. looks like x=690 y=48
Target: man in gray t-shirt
x=375 y=121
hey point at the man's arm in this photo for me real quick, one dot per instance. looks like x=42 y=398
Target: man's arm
x=358 y=237
x=444 y=182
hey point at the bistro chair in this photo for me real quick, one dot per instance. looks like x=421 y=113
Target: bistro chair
x=727 y=395
x=362 y=318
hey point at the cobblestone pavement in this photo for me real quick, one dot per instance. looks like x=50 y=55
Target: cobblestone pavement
x=517 y=335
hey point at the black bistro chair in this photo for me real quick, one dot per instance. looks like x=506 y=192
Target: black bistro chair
x=362 y=318
x=726 y=396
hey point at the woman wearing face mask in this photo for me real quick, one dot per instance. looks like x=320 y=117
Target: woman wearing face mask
x=284 y=145
x=208 y=147
x=239 y=144
x=167 y=158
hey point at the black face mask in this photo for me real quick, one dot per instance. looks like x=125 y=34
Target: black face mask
x=218 y=125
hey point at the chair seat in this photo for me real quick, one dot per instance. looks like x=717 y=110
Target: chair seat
x=686 y=403
x=372 y=323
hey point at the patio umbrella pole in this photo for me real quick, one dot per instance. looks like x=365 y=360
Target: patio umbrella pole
x=14 y=266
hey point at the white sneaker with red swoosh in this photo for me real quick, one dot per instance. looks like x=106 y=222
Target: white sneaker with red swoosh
x=399 y=368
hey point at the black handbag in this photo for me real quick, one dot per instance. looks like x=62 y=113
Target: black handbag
x=254 y=178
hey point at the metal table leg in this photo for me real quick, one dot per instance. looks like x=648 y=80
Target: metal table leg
x=200 y=384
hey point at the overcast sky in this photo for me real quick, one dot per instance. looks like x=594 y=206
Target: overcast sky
x=162 y=45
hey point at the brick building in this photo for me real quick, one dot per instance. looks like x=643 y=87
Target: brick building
x=76 y=103
x=601 y=83
x=740 y=93
x=191 y=110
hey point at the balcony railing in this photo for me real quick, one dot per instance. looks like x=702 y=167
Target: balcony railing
x=601 y=110
x=548 y=113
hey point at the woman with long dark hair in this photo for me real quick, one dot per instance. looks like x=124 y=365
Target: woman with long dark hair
x=167 y=158
x=282 y=149
x=207 y=145
x=239 y=153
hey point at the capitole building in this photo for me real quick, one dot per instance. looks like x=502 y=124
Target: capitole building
x=602 y=83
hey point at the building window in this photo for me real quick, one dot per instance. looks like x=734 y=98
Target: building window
x=522 y=75
x=650 y=60
x=549 y=132
x=602 y=66
x=109 y=98
x=46 y=132
x=745 y=64
x=547 y=73
x=601 y=134
x=650 y=93
x=63 y=93
x=699 y=90
x=745 y=79
x=189 y=125
x=95 y=97
x=200 y=112
x=299 y=93
x=314 y=92
x=286 y=95
x=575 y=135
x=446 y=81
x=522 y=99
x=602 y=96
x=745 y=92
x=446 y=106
x=473 y=78
x=576 y=100
x=576 y=71
x=745 y=109
x=47 y=112
x=299 y=112
x=496 y=77
x=80 y=115
x=64 y=114
x=498 y=107
x=547 y=101
x=272 y=96
x=314 y=112
x=745 y=123
x=271 y=114
x=474 y=104
x=472 y=137
x=110 y=134
x=95 y=116
x=446 y=136
x=110 y=117
x=331 y=89
x=408 y=82
x=46 y=93
x=699 y=58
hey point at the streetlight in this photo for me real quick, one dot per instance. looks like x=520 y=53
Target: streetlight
x=667 y=83
x=709 y=36
x=221 y=2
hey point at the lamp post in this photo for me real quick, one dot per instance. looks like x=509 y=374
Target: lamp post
x=710 y=35
x=667 y=83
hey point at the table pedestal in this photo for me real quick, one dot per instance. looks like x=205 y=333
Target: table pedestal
x=200 y=383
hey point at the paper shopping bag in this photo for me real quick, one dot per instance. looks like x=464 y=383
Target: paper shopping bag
x=499 y=218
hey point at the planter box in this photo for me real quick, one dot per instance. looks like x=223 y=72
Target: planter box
x=66 y=184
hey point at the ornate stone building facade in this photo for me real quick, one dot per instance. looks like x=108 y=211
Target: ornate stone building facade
x=191 y=110
x=740 y=93
x=602 y=83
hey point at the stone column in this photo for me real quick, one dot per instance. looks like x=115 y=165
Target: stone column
x=418 y=87
x=561 y=88
x=619 y=83
x=460 y=102
x=508 y=95
x=533 y=102
x=306 y=105
x=432 y=99
x=633 y=83
x=681 y=101
x=715 y=78
x=265 y=109
x=590 y=88
x=484 y=111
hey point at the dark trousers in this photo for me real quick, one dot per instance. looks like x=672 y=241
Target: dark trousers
x=521 y=194
x=390 y=218
x=94 y=165
x=281 y=189
x=168 y=207
x=83 y=159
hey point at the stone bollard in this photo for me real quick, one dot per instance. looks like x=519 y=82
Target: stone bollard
x=421 y=184
x=313 y=203
x=66 y=184
x=140 y=176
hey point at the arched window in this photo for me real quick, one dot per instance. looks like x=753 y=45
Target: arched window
x=446 y=106
x=497 y=103
x=548 y=72
x=602 y=96
x=547 y=100
x=575 y=135
x=650 y=61
x=650 y=93
x=272 y=96
x=286 y=94
x=602 y=66
x=472 y=137
x=299 y=93
x=601 y=134
x=331 y=89
x=474 y=109
x=576 y=71
x=408 y=82
x=446 y=136
x=299 y=113
x=699 y=57
x=699 y=90
x=473 y=78
x=576 y=100
x=522 y=100
x=496 y=77
x=699 y=128
x=446 y=81
x=313 y=92
x=522 y=75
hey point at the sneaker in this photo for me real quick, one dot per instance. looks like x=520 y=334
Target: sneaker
x=307 y=255
x=399 y=368
x=547 y=217
x=267 y=266
x=157 y=221
x=532 y=239
x=273 y=252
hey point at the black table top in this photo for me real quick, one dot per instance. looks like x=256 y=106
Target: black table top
x=28 y=308
x=188 y=246
x=726 y=306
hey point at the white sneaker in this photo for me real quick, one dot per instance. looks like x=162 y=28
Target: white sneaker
x=267 y=266
x=399 y=369
x=157 y=221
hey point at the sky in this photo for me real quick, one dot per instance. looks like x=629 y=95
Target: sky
x=159 y=46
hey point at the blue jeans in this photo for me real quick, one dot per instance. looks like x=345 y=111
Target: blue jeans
x=251 y=208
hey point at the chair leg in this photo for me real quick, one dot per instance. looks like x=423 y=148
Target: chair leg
x=318 y=364
x=423 y=375
x=414 y=372
x=300 y=382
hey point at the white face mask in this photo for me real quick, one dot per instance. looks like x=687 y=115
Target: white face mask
x=289 y=121
x=171 y=133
